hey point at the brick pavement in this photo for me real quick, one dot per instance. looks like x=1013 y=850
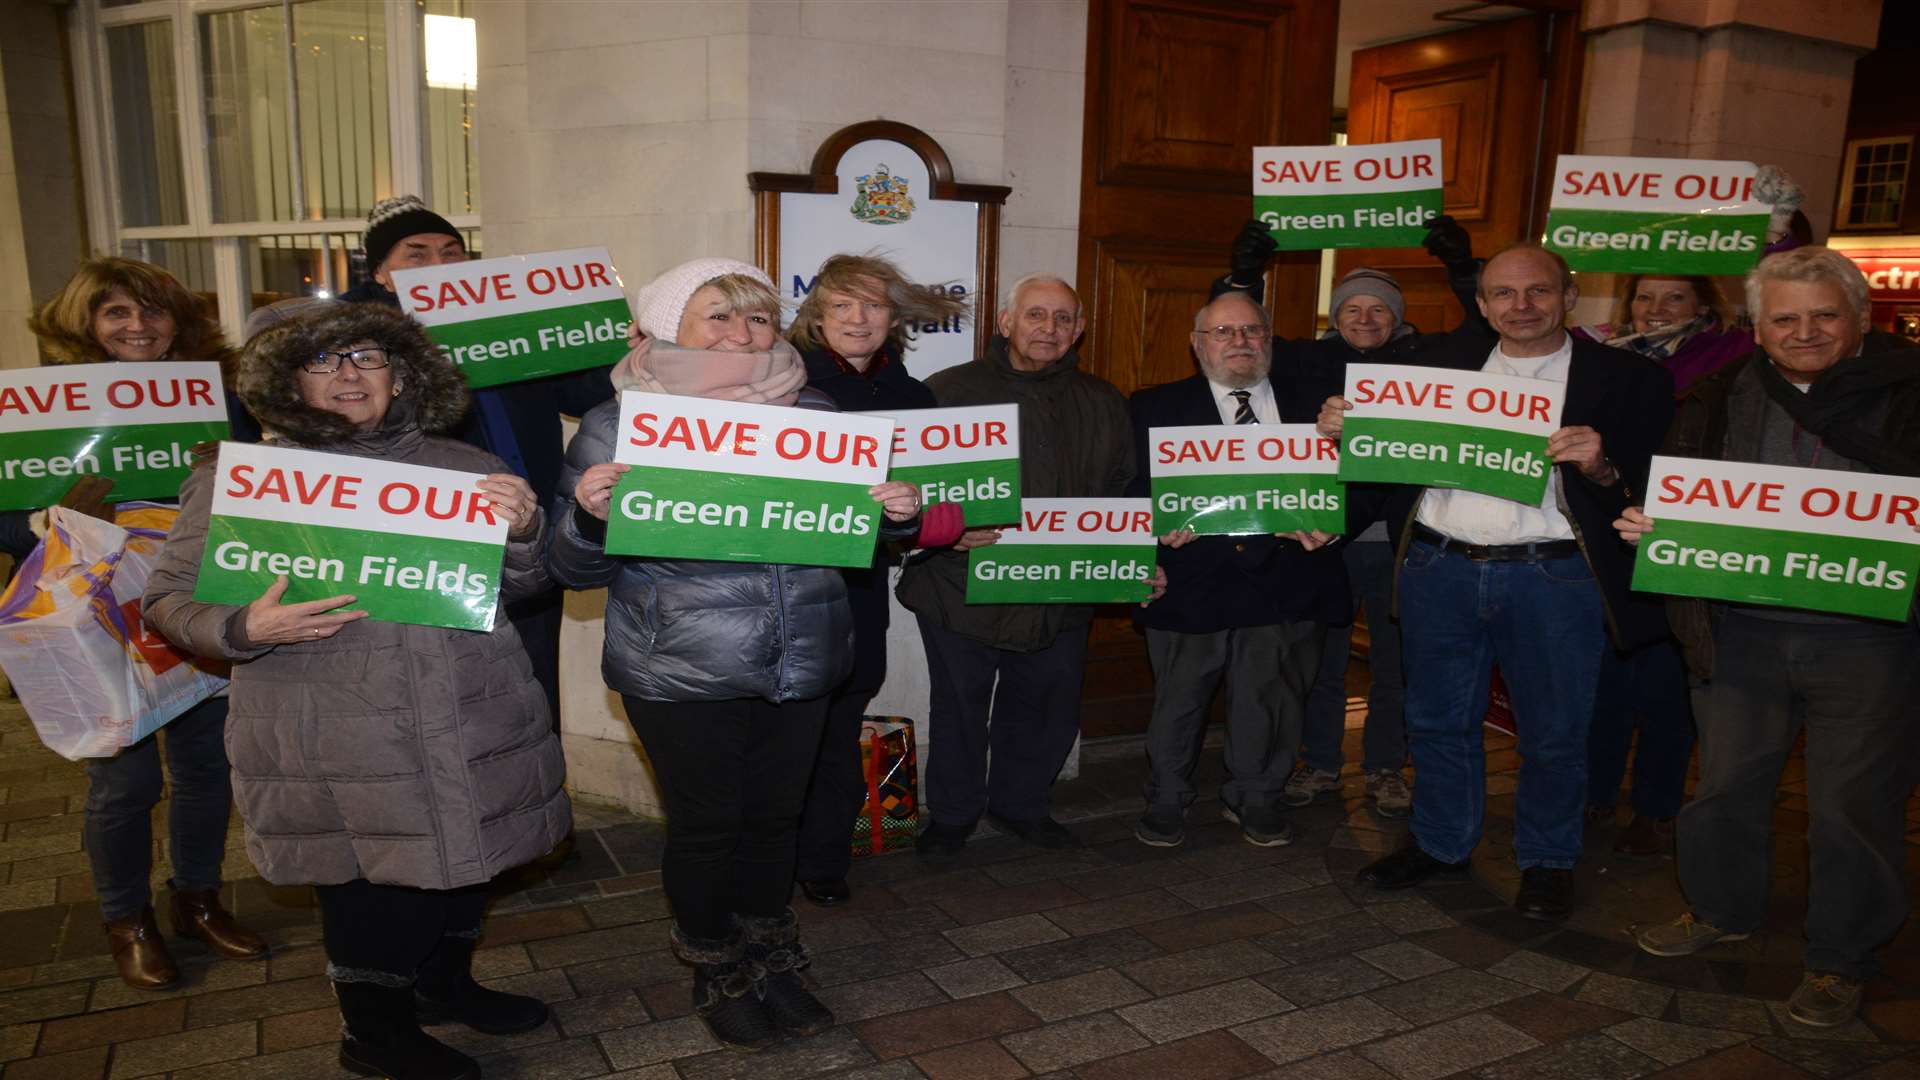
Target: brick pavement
x=1213 y=960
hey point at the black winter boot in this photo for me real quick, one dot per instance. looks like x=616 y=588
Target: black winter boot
x=773 y=942
x=726 y=990
x=383 y=1038
x=446 y=991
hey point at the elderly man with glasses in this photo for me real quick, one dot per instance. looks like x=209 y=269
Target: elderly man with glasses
x=1253 y=608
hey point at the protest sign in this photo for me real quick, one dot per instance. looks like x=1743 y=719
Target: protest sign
x=412 y=544
x=969 y=456
x=1661 y=215
x=1817 y=539
x=746 y=483
x=1453 y=429
x=1067 y=551
x=523 y=316
x=1379 y=195
x=1221 y=480
x=135 y=424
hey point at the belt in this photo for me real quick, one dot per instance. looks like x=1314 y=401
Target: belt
x=1539 y=551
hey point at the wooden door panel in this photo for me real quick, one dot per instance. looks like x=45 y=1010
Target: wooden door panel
x=1456 y=107
x=1179 y=92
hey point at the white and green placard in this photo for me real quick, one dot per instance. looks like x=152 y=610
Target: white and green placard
x=968 y=455
x=1380 y=195
x=1238 y=480
x=1657 y=215
x=521 y=317
x=1841 y=542
x=746 y=483
x=1472 y=430
x=135 y=424
x=411 y=544
x=1068 y=551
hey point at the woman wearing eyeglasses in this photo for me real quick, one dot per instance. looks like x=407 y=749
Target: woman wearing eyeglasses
x=396 y=768
x=122 y=311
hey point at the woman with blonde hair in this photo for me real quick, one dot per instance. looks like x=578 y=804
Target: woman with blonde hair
x=117 y=310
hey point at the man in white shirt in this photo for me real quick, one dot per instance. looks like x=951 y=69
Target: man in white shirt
x=1251 y=607
x=1534 y=588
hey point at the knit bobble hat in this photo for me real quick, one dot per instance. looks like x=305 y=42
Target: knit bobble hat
x=661 y=302
x=393 y=220
x=1369 y=282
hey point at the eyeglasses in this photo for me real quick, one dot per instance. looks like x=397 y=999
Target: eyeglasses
x=1223 y=334
x=329 y=360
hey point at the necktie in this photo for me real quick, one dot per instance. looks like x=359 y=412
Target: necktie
x=1243 y=414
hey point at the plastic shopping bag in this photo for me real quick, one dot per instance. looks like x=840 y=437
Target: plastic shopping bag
x=93 y=679
x=889 y=818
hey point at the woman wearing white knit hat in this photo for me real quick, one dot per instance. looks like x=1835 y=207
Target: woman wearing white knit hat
x=724 y=668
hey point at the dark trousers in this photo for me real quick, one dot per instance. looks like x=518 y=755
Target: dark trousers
x=1268 y=670
x=1384 y=739
x=123 y=790
x=733 y=775
x=1542 y=623
x=1852 y=687
x=537 y=620
x=835 y=793
x=384 y=933
x=1028 y=722
x=1645 y=689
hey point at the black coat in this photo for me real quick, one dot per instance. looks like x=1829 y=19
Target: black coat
x=888 y=389
x=533 y=408
x=1628 y=399
x=1227 y=582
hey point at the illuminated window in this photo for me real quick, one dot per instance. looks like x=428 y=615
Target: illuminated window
x=1875 y=183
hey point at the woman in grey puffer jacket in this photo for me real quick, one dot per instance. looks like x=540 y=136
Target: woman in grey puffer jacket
x=397 y=768
x=724 y=667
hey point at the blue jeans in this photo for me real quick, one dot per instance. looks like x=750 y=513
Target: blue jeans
x=1383 y=742
x=1542 y=622
x=123 y=790
x=1645 y=688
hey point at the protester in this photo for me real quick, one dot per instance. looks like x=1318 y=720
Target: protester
x=396 y=768
x=519 y=422
x=726 y=669
x=1252 y=607
x=854 y=330
x=1821 y=391
x=1368 y=314
x=123 y=311
x=1536 y=589
x=1075 y=442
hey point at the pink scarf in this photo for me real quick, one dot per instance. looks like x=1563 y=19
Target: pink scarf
x=767 y=378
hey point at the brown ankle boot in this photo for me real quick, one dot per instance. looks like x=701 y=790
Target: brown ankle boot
x=140 y=953
x=197 y=914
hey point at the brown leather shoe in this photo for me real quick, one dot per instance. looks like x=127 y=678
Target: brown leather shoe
x=197 y=914
x=140 y=953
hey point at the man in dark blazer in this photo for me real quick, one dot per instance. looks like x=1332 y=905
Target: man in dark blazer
x=1253 y=607
x=1538 y=589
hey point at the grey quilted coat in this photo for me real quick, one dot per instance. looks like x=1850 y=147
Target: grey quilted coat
x=406 y=755
x=689 y=630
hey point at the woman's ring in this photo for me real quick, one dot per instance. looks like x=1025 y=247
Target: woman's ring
x=316 y=631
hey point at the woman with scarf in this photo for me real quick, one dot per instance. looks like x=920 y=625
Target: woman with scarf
x=397 y=768
x=852 y=333
x=122 y=311
x=725 y=668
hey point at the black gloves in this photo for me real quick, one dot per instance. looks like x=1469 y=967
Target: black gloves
x=1253 y=248
x=1448 y=242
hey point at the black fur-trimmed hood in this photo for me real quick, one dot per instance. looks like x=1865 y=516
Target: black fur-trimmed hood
x=433 y=394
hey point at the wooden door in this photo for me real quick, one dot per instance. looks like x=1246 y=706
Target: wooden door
x=1179 y=92
x=1502 y=100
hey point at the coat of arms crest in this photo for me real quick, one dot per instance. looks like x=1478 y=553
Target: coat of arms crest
x=882 y=197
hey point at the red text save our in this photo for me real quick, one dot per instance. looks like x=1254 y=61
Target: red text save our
x=1087 y=521
x=1765 y=497
x=962 y=435
x=507 y=285
x=1486 y=401
x=742 y=439
x=341 y=491
x=1413 y=165
x=1633 y=184
x=1232 y=448
x=75 y=397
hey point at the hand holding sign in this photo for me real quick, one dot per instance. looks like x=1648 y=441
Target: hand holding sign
x=1581 y=447
x=898 y=499
x=512 y=500
x=594 y=492
x=270 y=622
x=1632 y=524
x=1333 y=416
x=976 y=538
